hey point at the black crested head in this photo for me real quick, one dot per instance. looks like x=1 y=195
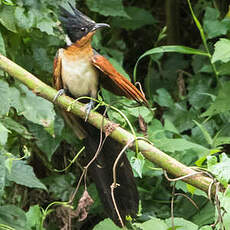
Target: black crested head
x=76 y=24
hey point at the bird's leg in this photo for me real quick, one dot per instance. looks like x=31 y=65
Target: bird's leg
x=88 y=108
x=59 y=93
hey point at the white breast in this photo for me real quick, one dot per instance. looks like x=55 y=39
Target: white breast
x=80 y=77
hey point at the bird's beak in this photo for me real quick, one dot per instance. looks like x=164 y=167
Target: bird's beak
x=100 y=25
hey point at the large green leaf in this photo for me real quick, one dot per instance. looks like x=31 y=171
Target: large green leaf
x=173 y=145
x=36 y=109
x=182 y=224
x=164 y=99
x=3 y=134
x=34 y=217
x=222 y=51
x=107 y=8
x=2 y=49
x=212 y=25
x=153 y=223
x=47 y=143
x=7 y=19
x=23 y=174
x=206 y=215
x=46 y=25
x=221 y=104
x=11 y=124
x=15 y=99
x=5 y=95
x=25 y=20
x=2 y=175
x=2 y=45
x=105 y=225
x=13 y=216
x=220 y=169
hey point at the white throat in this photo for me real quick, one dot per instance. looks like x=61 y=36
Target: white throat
x=68 y=41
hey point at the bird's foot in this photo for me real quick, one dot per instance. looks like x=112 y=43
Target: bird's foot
x=88 y=108
x=59 y=93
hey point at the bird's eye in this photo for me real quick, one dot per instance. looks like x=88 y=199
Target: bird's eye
x=83 y=29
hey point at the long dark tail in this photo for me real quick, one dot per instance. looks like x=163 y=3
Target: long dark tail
x=101 y=171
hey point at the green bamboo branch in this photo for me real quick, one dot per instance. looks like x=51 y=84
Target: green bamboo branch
x=119 y=134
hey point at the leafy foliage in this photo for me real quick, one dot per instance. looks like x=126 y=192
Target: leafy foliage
x=187 y=84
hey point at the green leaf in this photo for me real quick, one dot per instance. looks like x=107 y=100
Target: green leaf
x=105 y=225
x=8 y=2
x=3 y=134
x=222 y=51
x=2 y=49
x=220 y=169
x=13 y=216
x=36 y=109
x=221 y=104
x=24 y=21
x=206 y=215
x=40 y=53
x=10 y=124
x=199 y=91
x=23 y=174
x=206 y=228
x=173 y=145
x=34 y=217
x=107 y=8
x=46 y=25
x=156 y=130
x=181 y=224
x=2 y=45
x=221 y=141
x=140 y=110
x=47 y=143
x=212 y=25
x=148 y=225
x=169 y=49
x=180 y=116
x=225 y=199
x=164 y=98
x=169 y=126
x=207 y=136
x=15 y=99
x=137 y=164
x=2 y=175
x=61 y=186
x=7 y=19
x=4 y=93
x=138 y=17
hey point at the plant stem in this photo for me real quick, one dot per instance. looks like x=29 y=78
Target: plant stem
x=204 y=40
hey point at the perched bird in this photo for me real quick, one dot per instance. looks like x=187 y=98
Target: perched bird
x=78 y=70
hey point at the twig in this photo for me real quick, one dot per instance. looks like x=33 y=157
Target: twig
x=114 y=184
x=172 y=207
x=192 y=201
x=84 y=172
x=180 y=178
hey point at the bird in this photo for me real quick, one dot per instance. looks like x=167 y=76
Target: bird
x=78 y=71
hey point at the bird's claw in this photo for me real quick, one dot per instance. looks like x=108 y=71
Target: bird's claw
x=88 y=108
x=59 y=93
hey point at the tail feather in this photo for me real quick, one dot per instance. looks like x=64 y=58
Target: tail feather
x=101 y=171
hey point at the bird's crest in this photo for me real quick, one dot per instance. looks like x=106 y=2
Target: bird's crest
x=75 y=23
